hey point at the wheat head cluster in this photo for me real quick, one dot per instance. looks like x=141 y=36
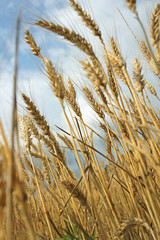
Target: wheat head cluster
x=119 y=199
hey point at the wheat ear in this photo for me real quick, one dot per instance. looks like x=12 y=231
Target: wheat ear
x=56 y=79
x=66 y=140
x=25 y=131
x=77 y=193
x=70 y=97
x=32 y=43
x=129 y=224
x=94 y=104
x=144 y=49
x=34 y=112
x=131 y=5
x=86 y=18
x=42 y=123
x=154 y=27
x=94 y=74
x=137 y=76
x=69 y=35
x=116 y=63
x=151 y=89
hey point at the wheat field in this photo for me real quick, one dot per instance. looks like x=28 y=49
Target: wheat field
x=118 y=198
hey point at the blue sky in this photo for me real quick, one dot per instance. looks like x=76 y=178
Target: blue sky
x=32 y=79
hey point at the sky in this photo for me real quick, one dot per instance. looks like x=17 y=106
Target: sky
x=31 y=78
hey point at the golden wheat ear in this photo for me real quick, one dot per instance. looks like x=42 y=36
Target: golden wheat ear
x=154 y=28
x=137 y=76
x=86 y=18
x=131 y=5
x=71 y=36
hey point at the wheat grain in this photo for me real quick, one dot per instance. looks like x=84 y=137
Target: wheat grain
x=39 y=174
